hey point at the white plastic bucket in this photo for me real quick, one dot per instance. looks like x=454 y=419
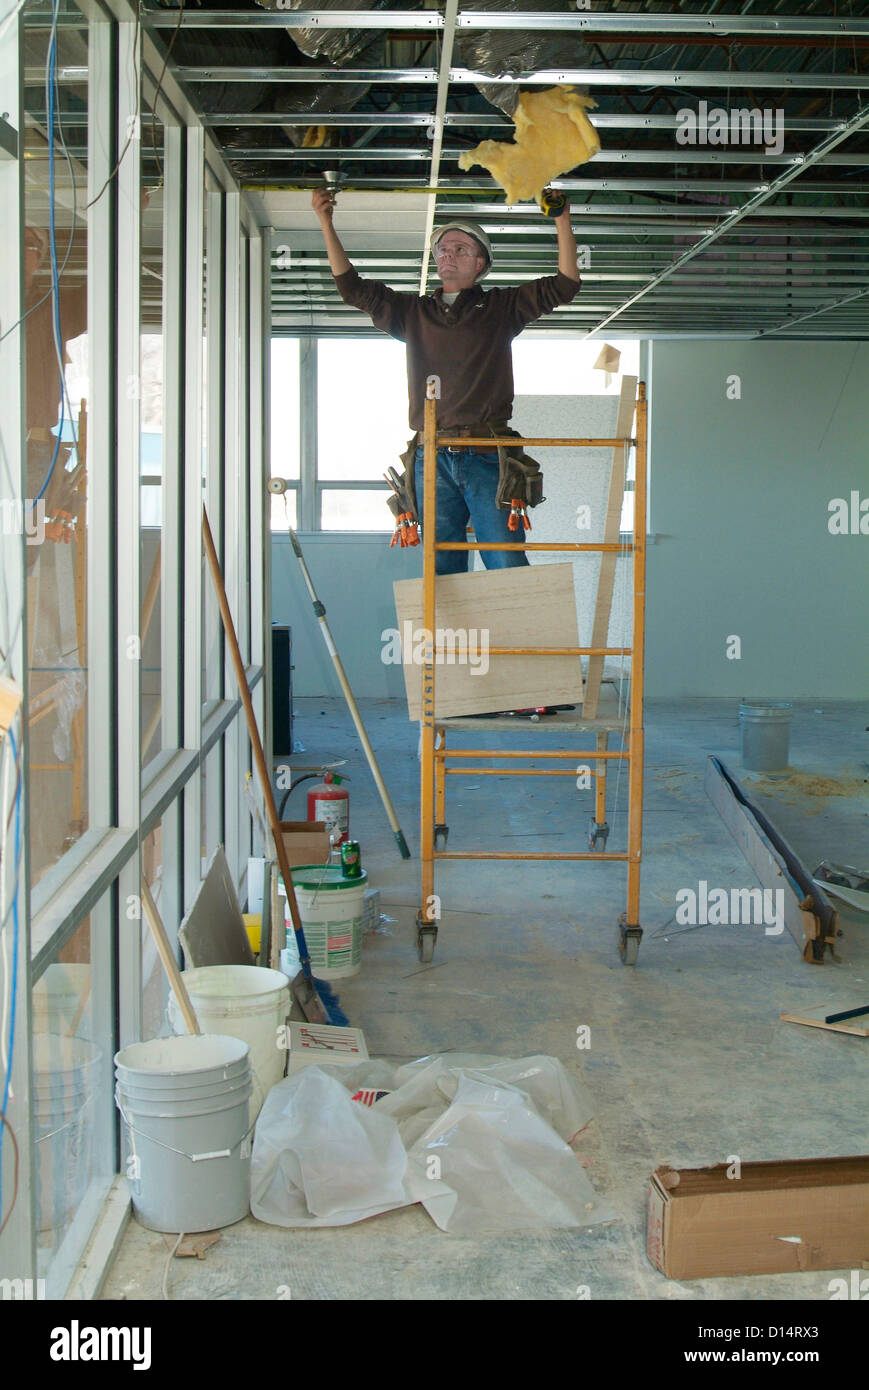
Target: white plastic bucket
x=65 y=1078
x=184 y=1102
x=332 y=909
x=247 y=1002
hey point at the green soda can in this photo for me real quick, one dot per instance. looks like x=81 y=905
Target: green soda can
x=351 y=859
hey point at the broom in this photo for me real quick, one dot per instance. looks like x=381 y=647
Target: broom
x=316 y=999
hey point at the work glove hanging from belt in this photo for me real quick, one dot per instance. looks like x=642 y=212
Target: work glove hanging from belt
x=403 y=507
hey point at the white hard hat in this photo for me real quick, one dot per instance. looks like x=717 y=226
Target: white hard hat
x=472 y=229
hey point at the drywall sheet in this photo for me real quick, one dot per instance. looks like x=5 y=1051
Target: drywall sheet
x=576 y=484
x=553 y=135
x=213 y=932
x=528 y=607
x=611 y=529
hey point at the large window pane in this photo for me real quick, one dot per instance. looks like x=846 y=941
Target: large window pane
x=563 y=367
x=57 y=392
x=285 y=408
x=355 y=509
x=284 y=510
x=362 y=408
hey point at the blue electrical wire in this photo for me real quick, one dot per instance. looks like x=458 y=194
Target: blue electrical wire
x=50 y=93
x=14 y=748
x=55 y=284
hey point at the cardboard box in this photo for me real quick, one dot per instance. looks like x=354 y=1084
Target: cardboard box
x=774 y=1218
x=306 y=842
x=313 y=1043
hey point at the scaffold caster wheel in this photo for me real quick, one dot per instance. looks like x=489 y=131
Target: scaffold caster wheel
x=425 y=944
x=441 y=833
x=597 y=830
x=629 y=941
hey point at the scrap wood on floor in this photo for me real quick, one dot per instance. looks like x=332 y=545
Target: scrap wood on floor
x=842 y=1018
x=190 y=1246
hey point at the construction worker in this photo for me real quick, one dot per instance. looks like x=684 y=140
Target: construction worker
x=461 y=336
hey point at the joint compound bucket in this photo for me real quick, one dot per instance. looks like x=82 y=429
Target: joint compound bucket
x=65 y=1079
x=184 y=1102
x=765 y=727
x=332 y=909
x=247 y=1002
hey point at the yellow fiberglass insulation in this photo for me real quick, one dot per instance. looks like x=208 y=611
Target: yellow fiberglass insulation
x=553 y=135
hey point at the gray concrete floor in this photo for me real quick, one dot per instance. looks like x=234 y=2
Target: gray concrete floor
x=689 y=1062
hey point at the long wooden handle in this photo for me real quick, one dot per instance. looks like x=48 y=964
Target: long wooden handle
x=170 y=965
x=253 y=731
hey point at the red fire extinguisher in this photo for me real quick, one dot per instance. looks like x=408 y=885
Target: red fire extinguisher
x=330 y=803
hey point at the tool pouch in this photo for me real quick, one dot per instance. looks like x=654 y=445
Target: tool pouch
x=404 y=507
x=519 y=478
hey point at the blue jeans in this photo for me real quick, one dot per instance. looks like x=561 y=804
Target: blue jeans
x=465 y=490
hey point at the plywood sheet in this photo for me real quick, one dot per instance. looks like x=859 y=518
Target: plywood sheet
x=531 y=606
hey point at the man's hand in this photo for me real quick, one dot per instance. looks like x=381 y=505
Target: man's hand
x=323 y=204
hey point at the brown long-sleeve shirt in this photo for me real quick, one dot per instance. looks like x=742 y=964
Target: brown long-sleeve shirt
x=466 y=344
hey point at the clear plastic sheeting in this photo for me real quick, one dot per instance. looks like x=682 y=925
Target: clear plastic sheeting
x=322 y=1159
x=481 y=1142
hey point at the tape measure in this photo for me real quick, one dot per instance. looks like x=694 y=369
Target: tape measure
x=552 y=203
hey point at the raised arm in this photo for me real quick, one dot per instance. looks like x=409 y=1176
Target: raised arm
x=321 y=202
x=566 y=245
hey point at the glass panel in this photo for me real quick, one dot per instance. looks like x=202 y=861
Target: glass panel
x=210 y=781
x=207 y=605
x=356 y=509
x=212 y=421
x=212 y=802
x=151 y=289
x=154 y=986
x=562 y=367
x=285 y=408
x=362 y=408
x=284 y=510
x=57 y=392
x=73 y=1098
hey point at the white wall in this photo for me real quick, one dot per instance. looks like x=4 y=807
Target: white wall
x=740 y=493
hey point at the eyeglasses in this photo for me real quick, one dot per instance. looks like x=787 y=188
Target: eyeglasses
x=460 y=251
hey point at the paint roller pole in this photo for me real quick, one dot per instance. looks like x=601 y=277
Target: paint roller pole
x=276 y=487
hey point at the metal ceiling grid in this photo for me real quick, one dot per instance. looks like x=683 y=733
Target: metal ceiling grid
x=704 y=239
